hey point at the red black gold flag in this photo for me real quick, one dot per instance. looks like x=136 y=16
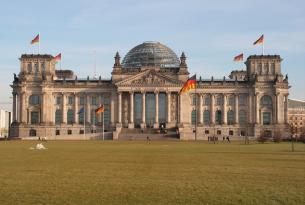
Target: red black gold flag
x=240 y=57
x=100 y=109
x=58 y=57
x=188 y=85
x=260 y=40
x=35 y=40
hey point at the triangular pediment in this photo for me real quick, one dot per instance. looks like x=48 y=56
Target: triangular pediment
x=149 y=78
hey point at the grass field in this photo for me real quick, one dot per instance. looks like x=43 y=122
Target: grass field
x=95 y=172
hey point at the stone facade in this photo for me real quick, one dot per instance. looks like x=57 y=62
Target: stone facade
x=146 y=96
x=296 y=115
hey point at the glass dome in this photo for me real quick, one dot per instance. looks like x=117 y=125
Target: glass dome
x=151 y=53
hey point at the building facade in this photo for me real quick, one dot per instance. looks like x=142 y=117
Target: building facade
x=296 y=115
x=5 y=121
x=143 y=94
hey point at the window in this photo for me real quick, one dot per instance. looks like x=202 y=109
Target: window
x=69 y=132
x=218 y=132
x=207 y=100
x=70 y=116
x=43 y=68
x=266 y=100
x=242 y=100
x=219 y=100
x=242 y=117
x=230 y=117
x=57 y=132
x=29 y=67
x=70 y=100
x=194 y=99
x=94 y=101
x=231 y=132
x=242 y=133
x=81 y=132
x=231 y=100
x=206 y=117
x=266 y=118
x=81 y=118
x=193 y=117
x=34 y=117
x=218 y=117
x=259 y=68
x=58 y=117
x=93 y=117
x=32 y=133
x=206 y=132
x=36 y=68
x=34 y=99
x=272 y=68
x=82 y=100
x=58 y=100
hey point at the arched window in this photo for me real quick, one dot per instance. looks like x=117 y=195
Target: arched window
x=34 y=100
x=206 y=117
x=58 y=116
x=218 y=117
x=32 y=132
x=70 y=116
x=193 y=117
x=266 y=100
x=242 y=117
x=230 y=117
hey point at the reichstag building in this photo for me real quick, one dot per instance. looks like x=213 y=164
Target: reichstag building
x=142 y=98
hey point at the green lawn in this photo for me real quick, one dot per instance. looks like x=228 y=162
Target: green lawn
x=96 y=172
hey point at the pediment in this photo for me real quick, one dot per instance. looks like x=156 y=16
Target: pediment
x=149 y=78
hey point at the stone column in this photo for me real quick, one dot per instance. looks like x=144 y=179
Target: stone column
x=43 y=108
x=119 y=107
x=22 y=108
x=112 y=108
x=224 y=120
x=76 y=109
x=14 y=107
x=64 y=108
x=286 y=109
x=131 y=111
x=236 y=109
x=277 y=107
x=88 y=109
x=212 y=109
x=143 y=110
x=250 y=108
x=168 y=107
x=156 y=125
x=257 y=121
x=200 y=109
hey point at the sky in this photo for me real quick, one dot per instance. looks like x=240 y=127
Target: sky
x=210 y=33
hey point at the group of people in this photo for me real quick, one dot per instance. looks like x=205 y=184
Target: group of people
x=215 y=139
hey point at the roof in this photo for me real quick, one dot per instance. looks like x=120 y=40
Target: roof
x=296 y=103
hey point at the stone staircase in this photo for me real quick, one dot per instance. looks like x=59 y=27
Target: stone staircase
x=142 y=134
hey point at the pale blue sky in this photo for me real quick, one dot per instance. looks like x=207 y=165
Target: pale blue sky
x=211 y=33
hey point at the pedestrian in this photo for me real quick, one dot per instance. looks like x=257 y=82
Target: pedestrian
x=223 y=138
x=228 y=139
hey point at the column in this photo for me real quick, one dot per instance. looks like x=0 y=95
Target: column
x=76 y=109
x=257 y=108
x=64 y=108
x=113 y=96
x=119 y=107
x=22 y=108
x=212 y=109
x=43 y=109
x=200 y=109
x=236 y=109
x=250 y=105
x=224 y=120
x=143 y=108
x=274 y=109
x=99 y=116
x=156 y=124
x=286 y=109
x=277 y=108
x=168 y=107
x=88 y=109
x=131 y=113
x=14 y=107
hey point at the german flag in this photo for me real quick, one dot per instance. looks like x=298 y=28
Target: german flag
x=260 y=40
x=240 y=57
x=188 y=85
x=35 y=40
x=100 y=109
x=58 y=57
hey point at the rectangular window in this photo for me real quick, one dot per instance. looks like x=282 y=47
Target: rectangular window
x=207 y=100
x=266 y=118
x=34 y=117
x=231 y=132
x=81 y=132
x=219 y=100
x=58 y=100
x=242 y=100
x=57 y=132
x=82 y=100
x=193 y=117
x=193 y=99
x=70 y=100
x=94 y=101
x=231 y=100
x=218 y=132
x=69 y=132
x=206 y=132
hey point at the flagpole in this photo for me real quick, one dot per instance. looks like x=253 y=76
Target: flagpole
x=39 y=43
x=196 y=107
x=84 y=123
x=263 y=45
x=103 y=125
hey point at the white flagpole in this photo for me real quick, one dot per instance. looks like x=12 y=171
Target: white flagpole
x=84 y=123
x=103 y=125
x=39 y=43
